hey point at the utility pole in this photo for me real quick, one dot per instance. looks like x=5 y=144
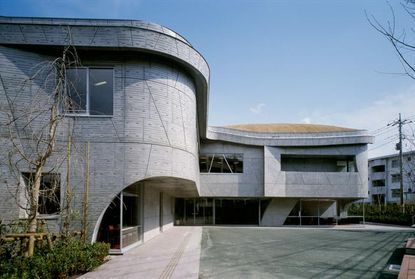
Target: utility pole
x=400 y=123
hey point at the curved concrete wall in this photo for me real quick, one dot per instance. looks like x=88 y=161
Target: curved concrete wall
x=116 y=35
x=160 y=101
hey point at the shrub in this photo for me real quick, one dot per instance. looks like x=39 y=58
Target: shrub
x=68 y=257
x=387 y=214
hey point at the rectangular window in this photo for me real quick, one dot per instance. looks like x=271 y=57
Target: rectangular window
x=49 y=197
x=395 y=163
x=221 y=163
x=378 y=183
x=396 y=178
x=309 y=163
x=89 y=91
x=396 y=193
x=380 y=168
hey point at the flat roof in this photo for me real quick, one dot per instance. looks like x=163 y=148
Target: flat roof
x=288 y=128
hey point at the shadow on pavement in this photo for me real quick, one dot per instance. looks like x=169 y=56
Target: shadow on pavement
x=395 y=259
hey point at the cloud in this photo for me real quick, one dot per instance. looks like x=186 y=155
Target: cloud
x=306 y=120
x=377 y=114
x=257 y=109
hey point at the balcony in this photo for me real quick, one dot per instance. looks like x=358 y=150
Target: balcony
x=316 y=185
x=377 y=176
x=378 y=190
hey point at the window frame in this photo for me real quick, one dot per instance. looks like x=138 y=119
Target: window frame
x=223 y=155
x=26 y=179
x=87 y=93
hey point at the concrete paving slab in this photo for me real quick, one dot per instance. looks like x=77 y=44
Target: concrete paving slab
x=358 y=251
x=173 y=254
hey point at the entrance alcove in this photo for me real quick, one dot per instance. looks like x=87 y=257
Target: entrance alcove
x=121 y=223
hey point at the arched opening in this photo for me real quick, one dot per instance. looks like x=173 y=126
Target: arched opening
x=121 y=224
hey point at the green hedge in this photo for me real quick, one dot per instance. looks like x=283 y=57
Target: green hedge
x=386 y=214
x=68 y=257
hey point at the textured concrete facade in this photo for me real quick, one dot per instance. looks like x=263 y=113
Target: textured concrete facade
x=152 y=136
x=246 y=184
x=262 y=154
x=158 y=129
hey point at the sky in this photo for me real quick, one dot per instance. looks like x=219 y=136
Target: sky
x=273 y=61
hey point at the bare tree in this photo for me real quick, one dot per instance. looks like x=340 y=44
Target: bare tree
x=33 y=126
x=401 y=39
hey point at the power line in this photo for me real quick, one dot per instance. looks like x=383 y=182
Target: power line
x=383 y=144
x=400 y=123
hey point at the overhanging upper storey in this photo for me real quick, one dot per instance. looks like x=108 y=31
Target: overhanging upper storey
x=113 y=35
x=289 y=135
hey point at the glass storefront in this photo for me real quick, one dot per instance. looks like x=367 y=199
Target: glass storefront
x=217 y=211
x=249 y=211
x=312 y=212
x=194 y=211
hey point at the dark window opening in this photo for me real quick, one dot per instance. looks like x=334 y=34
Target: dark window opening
x=49 y=195
x=380 y=168
x=378 y=183
x=304 y=163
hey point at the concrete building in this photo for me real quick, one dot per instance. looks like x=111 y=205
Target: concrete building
x=141 y=107
x=384 y=178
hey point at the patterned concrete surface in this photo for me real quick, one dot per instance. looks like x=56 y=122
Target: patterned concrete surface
x=172 y=254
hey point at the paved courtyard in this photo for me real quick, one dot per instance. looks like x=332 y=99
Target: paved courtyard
x=297 y=253
x=250 y=252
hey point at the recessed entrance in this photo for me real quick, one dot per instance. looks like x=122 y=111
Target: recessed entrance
x=217 y=211
x=121 y=223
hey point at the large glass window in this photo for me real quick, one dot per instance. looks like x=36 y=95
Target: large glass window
x=89 y=91
x=221 y=163
x=49 y=196
x=308 y=163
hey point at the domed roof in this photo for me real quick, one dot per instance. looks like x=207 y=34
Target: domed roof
x=288 y=128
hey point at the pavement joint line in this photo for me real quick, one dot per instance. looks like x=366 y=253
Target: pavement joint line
x=168 y=271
